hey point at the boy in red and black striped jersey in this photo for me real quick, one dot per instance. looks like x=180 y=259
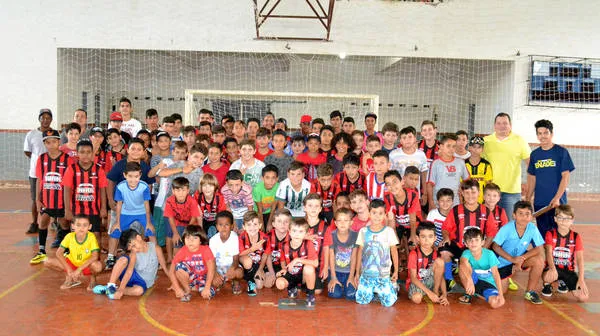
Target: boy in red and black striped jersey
x=318 y=228
x=50 y=169
x=429 y=144
x=211 y=202
x=278 y=236
x=351 y=178
x=491 y=197
x=299 y=262
x=85 y=188
x=402 y=206
x=100 y=155
x=459 y=219
x=116 y=149
x=253 y=244
x=426 y=268
x=325 y=187
x=565 y=248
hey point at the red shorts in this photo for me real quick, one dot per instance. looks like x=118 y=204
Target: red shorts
x=86 y=271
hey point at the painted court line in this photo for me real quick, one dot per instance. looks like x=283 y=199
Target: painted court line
x=152 y=321
x=15 y=287
x=566 y=317
x=569 y=318
x=422 y=324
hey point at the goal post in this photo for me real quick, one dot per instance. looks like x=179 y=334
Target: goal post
x=289 y=105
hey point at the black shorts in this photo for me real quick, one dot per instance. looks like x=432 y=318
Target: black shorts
x=485 y=289
x=276 y=268
x=294 y=280
x=507 y=271
x=402 y=231
x=453 y=248
x=54 y=213
x=569 y=277
x=327 y=216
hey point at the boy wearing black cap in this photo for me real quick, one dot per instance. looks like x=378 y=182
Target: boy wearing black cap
x=479 y=168
x=50 y=169
x=33 y=148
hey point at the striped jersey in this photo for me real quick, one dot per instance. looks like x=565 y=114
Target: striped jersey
x=85 y=185
x=293 y=199
x=346 y=185
x=403 y=210
x=430 y=152
x=481 y=172
x=50 y=173
x=375 y=189
x=328 y=195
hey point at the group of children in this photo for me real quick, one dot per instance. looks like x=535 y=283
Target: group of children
x=338 y=210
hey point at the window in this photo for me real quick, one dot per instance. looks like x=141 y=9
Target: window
x=568 y=82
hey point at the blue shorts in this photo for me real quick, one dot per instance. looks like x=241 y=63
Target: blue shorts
x=484 y=288
x=126 y=220
x=135 y=280
x=368 y=287
x=180 y=230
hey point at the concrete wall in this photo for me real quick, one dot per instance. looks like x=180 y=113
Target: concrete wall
x=453 y=29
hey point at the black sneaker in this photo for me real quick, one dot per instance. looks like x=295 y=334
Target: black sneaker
x=110 y=263
x=562 y=287
x=310 y=300
x=547 y=290
x=33 y=228
x=532 y=297
x=293 y=293
x=251 y=288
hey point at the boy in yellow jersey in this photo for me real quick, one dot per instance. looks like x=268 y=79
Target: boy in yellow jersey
x=479 y=169
x=83 y=256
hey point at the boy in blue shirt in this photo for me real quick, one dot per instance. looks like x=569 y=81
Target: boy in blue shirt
x=133 y=204
x=511 y=244
x=548 y=173
x=479 y=270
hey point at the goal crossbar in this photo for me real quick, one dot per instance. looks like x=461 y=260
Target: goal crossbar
x=190 y=113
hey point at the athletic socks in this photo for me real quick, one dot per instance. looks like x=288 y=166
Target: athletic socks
x=42 y=236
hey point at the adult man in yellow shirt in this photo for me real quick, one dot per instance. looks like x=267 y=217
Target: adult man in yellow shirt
x=505 y=150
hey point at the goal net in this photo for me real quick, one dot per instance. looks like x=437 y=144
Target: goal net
x=289 y=105
x=458 y=94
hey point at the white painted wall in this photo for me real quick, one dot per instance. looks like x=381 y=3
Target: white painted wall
x=455 y=29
